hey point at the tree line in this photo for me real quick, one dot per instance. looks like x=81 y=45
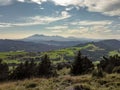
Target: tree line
x=81 y=65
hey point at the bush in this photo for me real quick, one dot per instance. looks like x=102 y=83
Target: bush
x=116 y=69
x=109 y=64
x=98 y=72
x=24 y=70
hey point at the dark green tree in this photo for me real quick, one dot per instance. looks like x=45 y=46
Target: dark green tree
x=4 y=71
x=45 y=68
x=108 y=64
x=81 y=65
x=24 y=70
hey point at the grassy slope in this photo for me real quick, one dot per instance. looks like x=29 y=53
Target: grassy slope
x=112 y=53
x=110 y=82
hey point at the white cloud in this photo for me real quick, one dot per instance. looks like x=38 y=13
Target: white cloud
x=3 y=25
x=65 y=14
x=36 y=20
x=68 y=9
x=67 y=2
x=108 y=7
x=21 y=0
x=57 y=27
x=34 y=1
x=89 y=23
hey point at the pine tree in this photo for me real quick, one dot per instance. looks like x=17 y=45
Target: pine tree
x=45 y=68
x=81 y=65
x=4 y=71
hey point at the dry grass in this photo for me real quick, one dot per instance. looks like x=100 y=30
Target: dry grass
x=110 y=82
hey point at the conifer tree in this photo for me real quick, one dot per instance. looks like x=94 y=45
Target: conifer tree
x=81 y=65
x=4 y=71
x=45 y=68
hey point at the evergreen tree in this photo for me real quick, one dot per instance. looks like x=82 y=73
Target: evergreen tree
x=4 y=71
x=81 y=65
x=22 y=71
x=45 y=68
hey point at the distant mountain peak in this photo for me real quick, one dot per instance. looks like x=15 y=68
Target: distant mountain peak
x=41 y=37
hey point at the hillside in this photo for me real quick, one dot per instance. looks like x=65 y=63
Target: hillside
x=14 y=45
x=96 y=50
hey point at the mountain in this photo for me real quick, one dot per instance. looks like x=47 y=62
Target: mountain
x=96 y=50
x=56 y=40
x=110 y=44
x=14 y=45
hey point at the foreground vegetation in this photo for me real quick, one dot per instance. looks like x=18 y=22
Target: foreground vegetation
x=66 y=82
x=81 y=74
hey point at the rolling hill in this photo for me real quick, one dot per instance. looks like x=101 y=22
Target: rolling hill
x=14 y=45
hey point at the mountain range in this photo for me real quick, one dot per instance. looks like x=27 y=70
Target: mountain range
x=56 y=40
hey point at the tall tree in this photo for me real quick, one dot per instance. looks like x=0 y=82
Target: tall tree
x=81 y=65
x=45 y=68
x=4 y=71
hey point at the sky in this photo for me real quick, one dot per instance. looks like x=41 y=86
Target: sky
x=97 y=19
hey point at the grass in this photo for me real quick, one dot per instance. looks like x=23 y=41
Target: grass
x=112 y=53
x=66 y=82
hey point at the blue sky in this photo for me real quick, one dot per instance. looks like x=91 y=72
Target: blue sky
x=78 y=18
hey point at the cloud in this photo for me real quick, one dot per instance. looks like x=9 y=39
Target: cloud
x=57 y=27
x=21 y=0
x=108 y=7
x=90 y=23
x=33 y=1
x=36 y=20
x=69 y=8
x=67 y=2
x=6 y=2
x=78 y=32
x=101 y=29
x=3 y=25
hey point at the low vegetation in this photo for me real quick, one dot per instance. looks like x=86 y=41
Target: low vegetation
x=81 y=74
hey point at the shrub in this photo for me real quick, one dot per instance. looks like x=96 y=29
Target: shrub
x=116 y=69
x=108 y=64
x=98 y=72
